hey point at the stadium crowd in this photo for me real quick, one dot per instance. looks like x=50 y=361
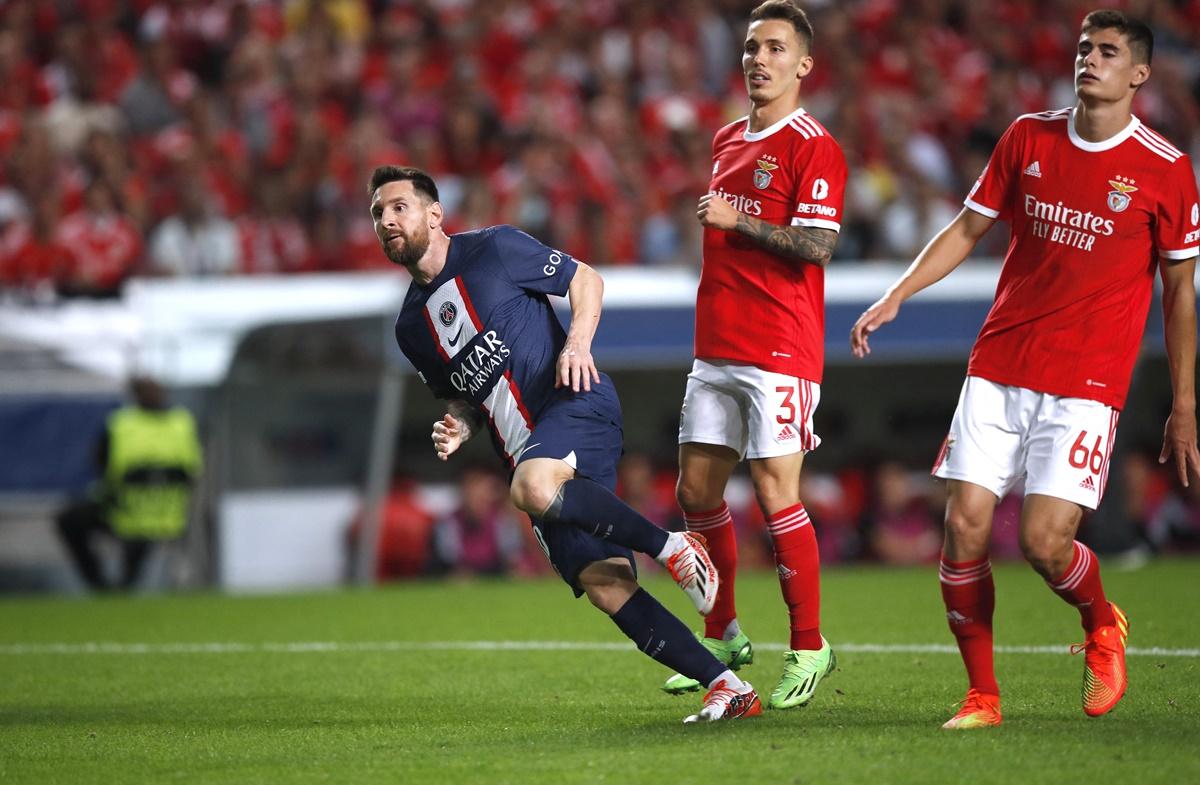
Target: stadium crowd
x=226 y=137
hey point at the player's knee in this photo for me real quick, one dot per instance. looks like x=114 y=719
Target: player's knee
x=534 y=492
x=966 y=528
x=694 y=497
x=536 y=485
x=774 y=494
x=531 y=496
x=1047 y=552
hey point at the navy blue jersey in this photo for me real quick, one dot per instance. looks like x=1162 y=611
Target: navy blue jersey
x=484 y=331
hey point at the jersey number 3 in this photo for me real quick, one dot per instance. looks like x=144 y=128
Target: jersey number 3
x=787 y=409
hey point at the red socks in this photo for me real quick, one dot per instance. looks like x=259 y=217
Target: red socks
x=1080 y=586
x=798 y=562
x=796 y=558
x=970 y=598
x=717 y=528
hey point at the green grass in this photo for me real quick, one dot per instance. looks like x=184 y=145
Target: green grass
x=263 y=715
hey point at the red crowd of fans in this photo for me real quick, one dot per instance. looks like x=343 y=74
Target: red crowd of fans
x=221 y=137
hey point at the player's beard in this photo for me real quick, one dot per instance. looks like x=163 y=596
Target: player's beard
x=412 y=251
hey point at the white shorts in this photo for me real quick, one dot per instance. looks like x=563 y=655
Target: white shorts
x=758 y=413
x=1000 y=433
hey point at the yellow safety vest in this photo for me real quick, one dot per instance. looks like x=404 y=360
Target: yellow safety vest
x=153 y=458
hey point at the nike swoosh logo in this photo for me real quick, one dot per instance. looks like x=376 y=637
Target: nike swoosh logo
x=457 y=335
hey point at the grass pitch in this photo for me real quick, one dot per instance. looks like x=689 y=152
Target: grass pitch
x=440 y=683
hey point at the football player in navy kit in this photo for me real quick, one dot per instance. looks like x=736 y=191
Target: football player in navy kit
x=478 y=326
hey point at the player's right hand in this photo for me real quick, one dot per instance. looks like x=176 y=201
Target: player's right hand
x=1179 y=442
x=714 y=211
x=448 y=436
x=879 y=314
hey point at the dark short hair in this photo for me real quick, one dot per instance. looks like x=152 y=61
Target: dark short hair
x=789 y=12
x=1136 y=32
x=422 y=182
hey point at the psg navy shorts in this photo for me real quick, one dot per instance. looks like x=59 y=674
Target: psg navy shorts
x=584 y=430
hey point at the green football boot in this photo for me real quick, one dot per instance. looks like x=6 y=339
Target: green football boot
x=802 y=671
x=734 y=653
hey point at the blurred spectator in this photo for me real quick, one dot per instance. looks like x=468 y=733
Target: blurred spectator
x=156 y=96
x=405 y=527
x=273 y=239
x=196 y=241
x=1174 y=524
x=481 y=537
x=833 y=516
x=901 y=528
x=649 y=491
x=31 y=257
x=102 y=245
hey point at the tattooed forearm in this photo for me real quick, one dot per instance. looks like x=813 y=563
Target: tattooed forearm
x=806 y=243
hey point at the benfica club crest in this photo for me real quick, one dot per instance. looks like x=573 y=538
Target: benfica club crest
x=1118 y=198
x=762 y=175
x=447 y=313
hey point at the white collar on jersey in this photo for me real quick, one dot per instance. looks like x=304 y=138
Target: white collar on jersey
x=764 y=133
x=1107 y=144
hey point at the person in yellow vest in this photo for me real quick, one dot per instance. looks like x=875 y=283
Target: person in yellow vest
x=149 y=456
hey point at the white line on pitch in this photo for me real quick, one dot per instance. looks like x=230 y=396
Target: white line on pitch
x=304 y=647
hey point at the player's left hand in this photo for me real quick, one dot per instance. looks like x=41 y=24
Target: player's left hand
x=883 y=311
x=716 y=212
x=448 y=435
x=1179 y=440
x=576 y=369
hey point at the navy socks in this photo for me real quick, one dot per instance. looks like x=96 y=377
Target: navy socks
x=599 y=512
x=657 y=633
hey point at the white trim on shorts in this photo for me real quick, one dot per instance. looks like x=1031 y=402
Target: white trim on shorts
x=757 y=413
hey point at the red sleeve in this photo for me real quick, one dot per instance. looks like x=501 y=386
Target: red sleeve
x=989 y=195
x=1177 y=225
x=821 y=187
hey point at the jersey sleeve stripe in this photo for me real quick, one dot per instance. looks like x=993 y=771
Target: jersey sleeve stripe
x=819 y=223
x=1056 y=114
x=1156 y=136
x=977 y=207
x=800 y=128
x=1183 y=253
x=810 y=124
x=1155 y=147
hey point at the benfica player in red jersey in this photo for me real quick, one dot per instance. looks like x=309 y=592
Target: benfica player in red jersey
x=771 y=218
x=1097 y=203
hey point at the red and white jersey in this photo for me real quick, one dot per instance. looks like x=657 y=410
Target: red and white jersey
x=754 y=307
x=1088 y=222
x=103 y=248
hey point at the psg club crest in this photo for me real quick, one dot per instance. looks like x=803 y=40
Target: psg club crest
x=762 y=175
x=1118 y=198
x=447 y=313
